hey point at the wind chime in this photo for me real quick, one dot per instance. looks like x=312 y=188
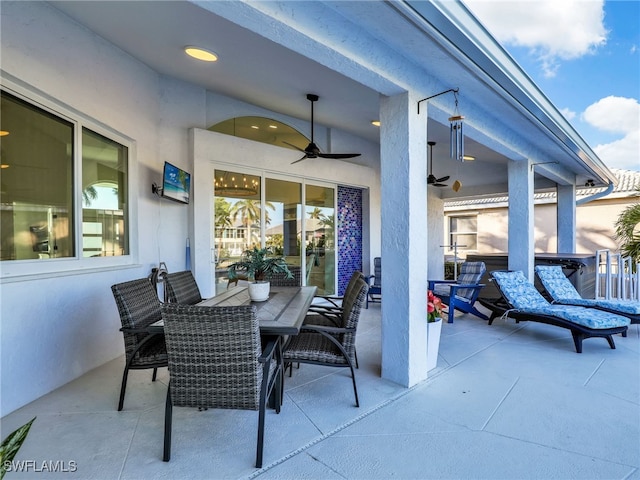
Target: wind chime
x=456 y=139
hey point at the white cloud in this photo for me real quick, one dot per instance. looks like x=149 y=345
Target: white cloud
x=568 y=114
x=553 y=30
x=617 y=115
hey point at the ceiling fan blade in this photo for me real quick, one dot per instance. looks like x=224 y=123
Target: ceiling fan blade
x=338 y=155
x=443 y=179
x=437 y=184
x=300 y=159
x=294 y=146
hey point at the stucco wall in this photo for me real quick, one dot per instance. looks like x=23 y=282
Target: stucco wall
x=59 y=325
x=595 y=226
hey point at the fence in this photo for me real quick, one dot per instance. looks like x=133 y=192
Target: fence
x=617 y=277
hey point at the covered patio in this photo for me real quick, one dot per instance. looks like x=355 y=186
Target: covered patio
x=505 y=401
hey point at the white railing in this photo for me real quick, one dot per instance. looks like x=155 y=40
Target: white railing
x=615 y=277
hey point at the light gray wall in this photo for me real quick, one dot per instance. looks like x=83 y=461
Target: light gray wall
x=60 y=324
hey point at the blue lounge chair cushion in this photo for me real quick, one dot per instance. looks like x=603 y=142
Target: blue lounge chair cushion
x=524 y=297
x=562 y=291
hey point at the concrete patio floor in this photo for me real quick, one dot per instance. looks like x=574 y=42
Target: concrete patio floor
x=507 y=401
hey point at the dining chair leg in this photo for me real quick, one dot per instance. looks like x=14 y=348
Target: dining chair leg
x=168 y=412
x=355 y=388
x=123 y=387
x=155 y=372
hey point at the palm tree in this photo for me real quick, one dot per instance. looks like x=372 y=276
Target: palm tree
x=249 y=212
x=628 y=231
x=222 y=220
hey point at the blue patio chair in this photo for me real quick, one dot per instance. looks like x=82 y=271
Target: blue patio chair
x=562 y=291
x=375 y=282
x=526 y=303
x=462 y=294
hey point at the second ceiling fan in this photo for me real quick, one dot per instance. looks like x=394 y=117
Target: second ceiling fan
x=312 y=150
x=431 y=179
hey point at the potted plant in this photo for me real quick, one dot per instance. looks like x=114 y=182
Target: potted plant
x=434 y=327
x=258 y=266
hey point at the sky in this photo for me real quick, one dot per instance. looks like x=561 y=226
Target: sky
x=585 y=57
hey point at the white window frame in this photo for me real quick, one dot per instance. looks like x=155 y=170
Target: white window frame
x=20 y=270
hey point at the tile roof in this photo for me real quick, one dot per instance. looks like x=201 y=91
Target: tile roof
x=628 y=185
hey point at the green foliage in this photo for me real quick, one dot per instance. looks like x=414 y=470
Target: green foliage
x=258 y=265
x=11 y=445
x=628 y=231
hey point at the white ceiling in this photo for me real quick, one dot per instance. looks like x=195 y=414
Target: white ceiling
x=258 y=71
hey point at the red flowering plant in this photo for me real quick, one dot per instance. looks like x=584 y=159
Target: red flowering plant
x=434 y=307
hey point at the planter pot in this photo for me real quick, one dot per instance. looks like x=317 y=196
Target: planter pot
x=259 y=291
x=433 y=343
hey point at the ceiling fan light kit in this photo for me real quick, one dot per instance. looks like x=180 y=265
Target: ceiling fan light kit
x=312 y=150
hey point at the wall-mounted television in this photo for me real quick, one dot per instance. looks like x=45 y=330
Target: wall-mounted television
x=176 y=183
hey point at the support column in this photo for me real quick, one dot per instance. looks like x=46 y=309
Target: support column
x=521 y=219
x=403 y=154
x=566 y=218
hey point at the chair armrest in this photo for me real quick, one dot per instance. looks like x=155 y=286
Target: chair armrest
x=269 y=350
x=436 y=282
x=324 y=330
x=458 y=286
x=325 y=309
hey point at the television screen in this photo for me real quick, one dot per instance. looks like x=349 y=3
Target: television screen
x=176 y=183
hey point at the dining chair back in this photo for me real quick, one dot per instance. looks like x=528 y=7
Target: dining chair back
x=182 y=288
x=216 y=360
x=328 y=345
x=138 y=307
x=281 y=280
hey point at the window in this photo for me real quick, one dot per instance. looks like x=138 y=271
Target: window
x=463 y=232
x=104 y=196
x=39 y=207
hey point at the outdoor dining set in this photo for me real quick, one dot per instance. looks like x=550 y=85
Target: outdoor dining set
x=230 y=352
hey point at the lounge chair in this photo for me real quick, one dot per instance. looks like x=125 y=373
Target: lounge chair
x=562 y=291
x=462 y=294
x=527 y=304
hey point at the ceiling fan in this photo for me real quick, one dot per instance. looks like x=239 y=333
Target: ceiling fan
x=431 y=179
x=312 y=150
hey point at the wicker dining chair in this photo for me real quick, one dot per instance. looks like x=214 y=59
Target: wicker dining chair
x=331 y=346
x=216 y=361
x=181 y=287
x=139 y=306
x=281 y=280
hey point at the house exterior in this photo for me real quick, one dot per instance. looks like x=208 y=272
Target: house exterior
x=478 y=225
x=97 y=96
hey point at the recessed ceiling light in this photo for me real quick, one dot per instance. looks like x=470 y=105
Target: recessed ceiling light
x=201 y=54
x=468 y=158
x=255 y=127
x=273 y=126
x=4 y=165
x=3 y=133
x=375 y=123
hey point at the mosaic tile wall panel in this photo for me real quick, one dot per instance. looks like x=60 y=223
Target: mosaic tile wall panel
x=349 y=234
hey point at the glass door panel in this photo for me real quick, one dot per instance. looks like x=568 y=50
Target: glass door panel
x=237 y=218
x=283 y=202
x=320 y=238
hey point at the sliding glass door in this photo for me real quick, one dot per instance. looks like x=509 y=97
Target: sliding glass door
x=282 y=219
x=320 y=238
x=295 y=219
